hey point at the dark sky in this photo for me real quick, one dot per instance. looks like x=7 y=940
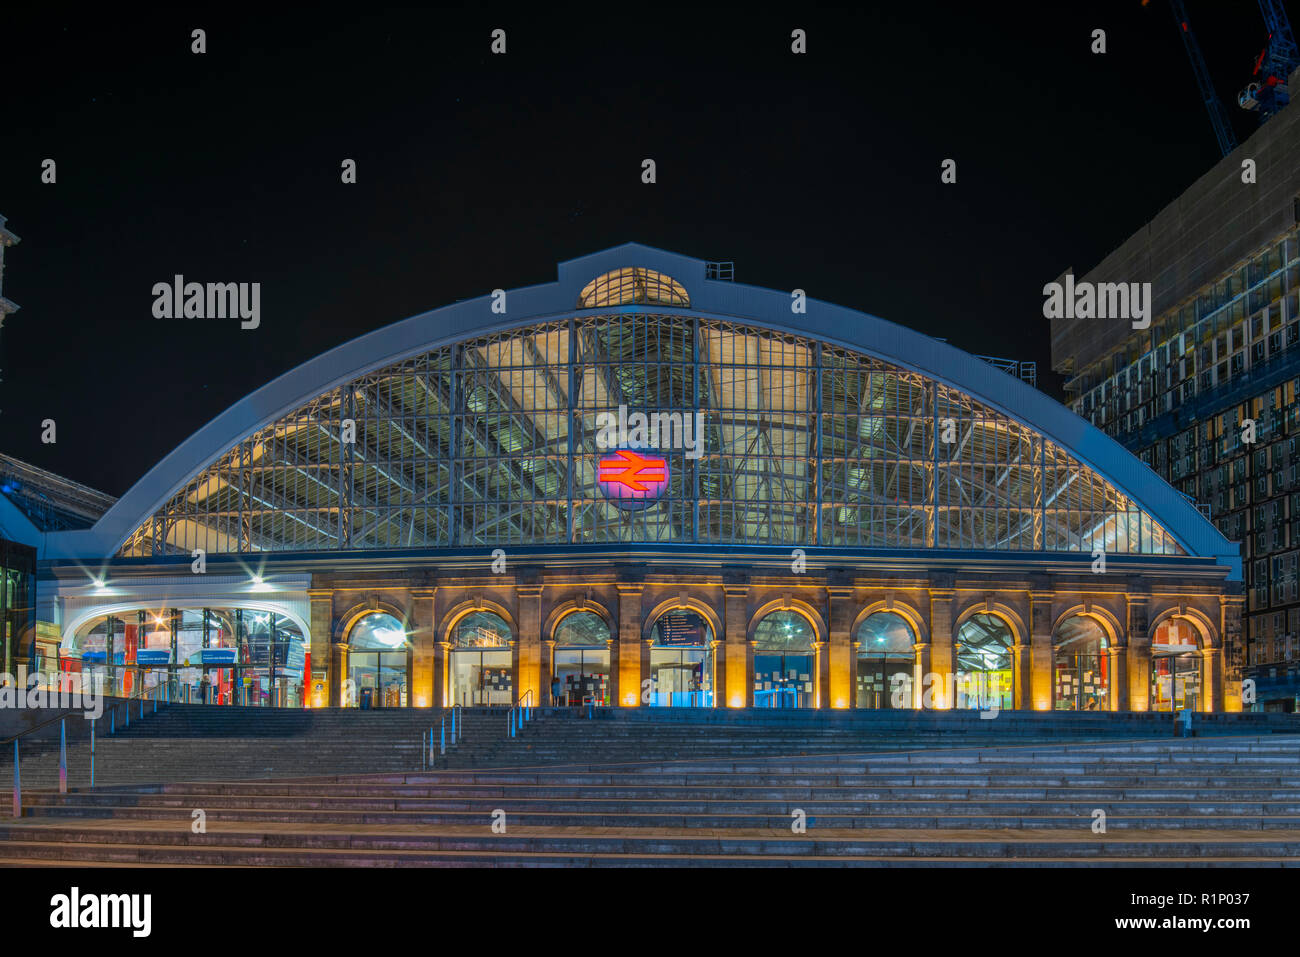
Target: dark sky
x=477 y=171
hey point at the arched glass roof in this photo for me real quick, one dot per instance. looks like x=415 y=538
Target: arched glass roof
x=784 y=440
x=631 y=285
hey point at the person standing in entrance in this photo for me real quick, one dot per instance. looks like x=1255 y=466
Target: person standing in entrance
x=204 y=684
x=555 y=690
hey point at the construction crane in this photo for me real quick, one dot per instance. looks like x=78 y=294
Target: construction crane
x=1218 y=115
x=1273 y=67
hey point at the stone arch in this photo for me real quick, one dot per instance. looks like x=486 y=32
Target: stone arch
x=458 y=611
x=1104 y=617
x=348 y=620
x=786 y=603
x=567 y=608
x=920 y=628
x=698 y=605
x=1019 y=630
x=1207 y=635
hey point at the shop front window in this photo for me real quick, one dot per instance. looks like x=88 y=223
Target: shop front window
x=784 y=663
x=885 y=662
x=481 y=661
x=681 y=661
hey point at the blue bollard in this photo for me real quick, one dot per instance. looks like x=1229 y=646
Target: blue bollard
x=18 y=787
x=442 y=744
x=63 y=757
x=92 y=752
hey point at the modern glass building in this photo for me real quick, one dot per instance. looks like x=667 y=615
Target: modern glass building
x=645 y=484
x=1222 y=350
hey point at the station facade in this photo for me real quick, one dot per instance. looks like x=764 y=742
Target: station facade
x=646 y=485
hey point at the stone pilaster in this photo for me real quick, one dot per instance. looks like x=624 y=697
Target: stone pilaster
x=646 y=673
x=339 y=676
x=424 y=649
x=322 y=630
x=547 y=670
x=740 y=653
x=1034 y=685
x=628 y=666
x=842 y=684
x=1139 y=653
x=527 y=651
x=941 y=652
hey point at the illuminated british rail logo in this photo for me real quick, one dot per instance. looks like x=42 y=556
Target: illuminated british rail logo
x=631 y=478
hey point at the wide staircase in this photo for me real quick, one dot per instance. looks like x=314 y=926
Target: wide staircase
x=1228 y=800
x=198 y=743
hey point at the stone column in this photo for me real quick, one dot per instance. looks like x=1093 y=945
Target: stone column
x=424 y=649
x=716 y=682
x=547 y=670
x=442 y=675
x=1211 y=679
x=629 y=642
x=339 y=676
x=822 y=683
x=322 y=628
x=1117 y=699
x=941 y=653
x=1036 y=686
x=646 y=673
x=920 y=668
x=841 y=691
x=528 y=648
x=740 y=652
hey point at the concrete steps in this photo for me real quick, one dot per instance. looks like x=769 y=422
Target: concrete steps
x=1196 y=802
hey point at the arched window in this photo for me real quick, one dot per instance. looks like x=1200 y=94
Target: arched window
x=784 y=664
x=1080 y=666
x=984 y=663
x=681 y=660
x=481 y=669
x=1175 y=667
x=885 y=660
x=630 y=285
x=378 y=662
x=582 y=658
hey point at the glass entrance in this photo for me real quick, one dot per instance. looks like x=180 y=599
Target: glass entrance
x=984 y=664
x=784 y=663
x=378 y=657
x=481 y=666
x=681 y=661
x=582 y=659
x=885 y=662
x=1080 y=666
x=1175 y=667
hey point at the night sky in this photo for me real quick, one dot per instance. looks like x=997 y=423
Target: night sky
x=478 y=171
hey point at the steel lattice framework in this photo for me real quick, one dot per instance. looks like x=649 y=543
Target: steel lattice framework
x=493 y=441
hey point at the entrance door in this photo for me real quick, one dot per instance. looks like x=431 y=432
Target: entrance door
x=783 y=680
x=380 y=678
x=583 y=674
x=481 y=677
x=1176 y=682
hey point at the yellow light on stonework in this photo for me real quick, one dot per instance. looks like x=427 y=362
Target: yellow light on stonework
x=629 y=700
x=421 y=701
x=735 y=702
x=1040 y=704
x=840 y=703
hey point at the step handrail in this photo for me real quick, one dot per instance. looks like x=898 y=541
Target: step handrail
x=519 y=713
x=125 y=702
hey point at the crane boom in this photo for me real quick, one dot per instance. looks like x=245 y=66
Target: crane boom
x=1218 y=115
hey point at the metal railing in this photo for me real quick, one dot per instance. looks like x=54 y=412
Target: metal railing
x=457 y=732
x=520 y=711
x=124 y=705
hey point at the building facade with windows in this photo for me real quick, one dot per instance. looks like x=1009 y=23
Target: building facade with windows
x=645 y=484
x=1207 y=395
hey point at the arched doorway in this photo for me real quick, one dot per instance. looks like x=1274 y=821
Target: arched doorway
x=378 y=659
x=1080 y=666
x=681 y=660
x=246 y=656
x=784 y=664
x=582 y=658
x=885 y=661
x=984 y=664
x=481 y=667
x=1175 y=667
